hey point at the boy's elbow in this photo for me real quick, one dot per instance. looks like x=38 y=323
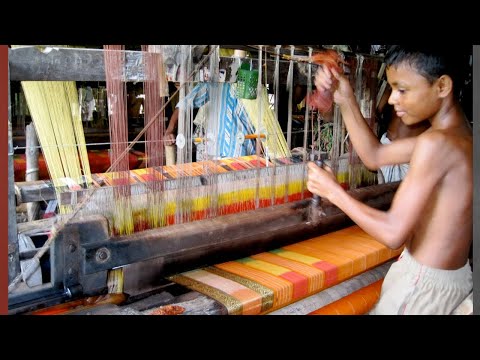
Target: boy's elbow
x=392 y=238
x=371 y=161
x=394 y=241
x=396 y=246
x=372 y=166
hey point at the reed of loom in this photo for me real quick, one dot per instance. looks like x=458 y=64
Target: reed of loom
x=234 y=182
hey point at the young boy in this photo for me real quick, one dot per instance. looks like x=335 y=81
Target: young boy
x=431 y=213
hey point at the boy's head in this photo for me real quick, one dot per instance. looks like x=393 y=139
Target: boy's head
x=423 y=79
x=432 y=62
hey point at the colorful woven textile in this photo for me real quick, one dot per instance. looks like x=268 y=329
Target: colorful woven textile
x=357 y=303
x=267 y=281
x=334 y=293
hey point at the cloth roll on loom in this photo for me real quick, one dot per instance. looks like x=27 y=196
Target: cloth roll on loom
x=270 y=280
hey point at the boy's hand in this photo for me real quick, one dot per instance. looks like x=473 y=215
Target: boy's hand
x=330 y=79
x=320 y=181
x=169 y=139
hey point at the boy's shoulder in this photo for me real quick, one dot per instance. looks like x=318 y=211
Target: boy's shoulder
x=432 y=145
x=444 y=136
x=436 y=146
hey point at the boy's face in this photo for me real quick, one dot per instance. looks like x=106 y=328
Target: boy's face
x=414 y=99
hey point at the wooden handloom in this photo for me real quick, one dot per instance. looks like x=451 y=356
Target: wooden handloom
x=268 y=233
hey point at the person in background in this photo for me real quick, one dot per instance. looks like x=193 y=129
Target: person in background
x=172 y=100
x=135 y=100
x=431 y=212
x=398 y=130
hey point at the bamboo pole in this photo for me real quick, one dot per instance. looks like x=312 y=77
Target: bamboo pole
x=31 y=173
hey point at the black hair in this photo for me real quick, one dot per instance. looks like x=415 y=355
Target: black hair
x=171 y=88
x=433 y=61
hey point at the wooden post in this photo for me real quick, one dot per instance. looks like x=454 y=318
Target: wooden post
x=31 y=174
x=13 y=255
x=170 y=154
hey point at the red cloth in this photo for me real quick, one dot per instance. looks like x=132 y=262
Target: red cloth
x=359 y=302
x=99 y=163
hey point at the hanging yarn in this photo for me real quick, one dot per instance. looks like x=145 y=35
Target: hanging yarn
x=323 y=99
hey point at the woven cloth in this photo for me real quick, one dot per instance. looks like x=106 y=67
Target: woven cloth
x=264 y=282
x=357 y=303
x=323 y=299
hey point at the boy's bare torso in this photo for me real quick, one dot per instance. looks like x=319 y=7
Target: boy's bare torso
x=443 y=233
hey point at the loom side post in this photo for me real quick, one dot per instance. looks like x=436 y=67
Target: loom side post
x=13 y=251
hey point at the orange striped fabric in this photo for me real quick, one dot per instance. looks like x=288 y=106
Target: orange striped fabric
x=264 y=282
x=357 y=303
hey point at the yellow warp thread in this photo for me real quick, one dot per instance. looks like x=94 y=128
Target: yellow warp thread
x=55 y=113
x=115 y=281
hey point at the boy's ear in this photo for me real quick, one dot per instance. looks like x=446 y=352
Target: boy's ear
x=445 y=85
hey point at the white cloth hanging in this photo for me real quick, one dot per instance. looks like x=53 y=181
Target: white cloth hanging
x=395 y=172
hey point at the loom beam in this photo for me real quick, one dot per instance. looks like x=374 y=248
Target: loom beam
x=31 y=63
x=237 y=234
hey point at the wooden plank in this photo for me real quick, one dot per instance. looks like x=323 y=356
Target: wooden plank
x=34 y=191
x=34 y=63
x=67 y=64
x=37 y=227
